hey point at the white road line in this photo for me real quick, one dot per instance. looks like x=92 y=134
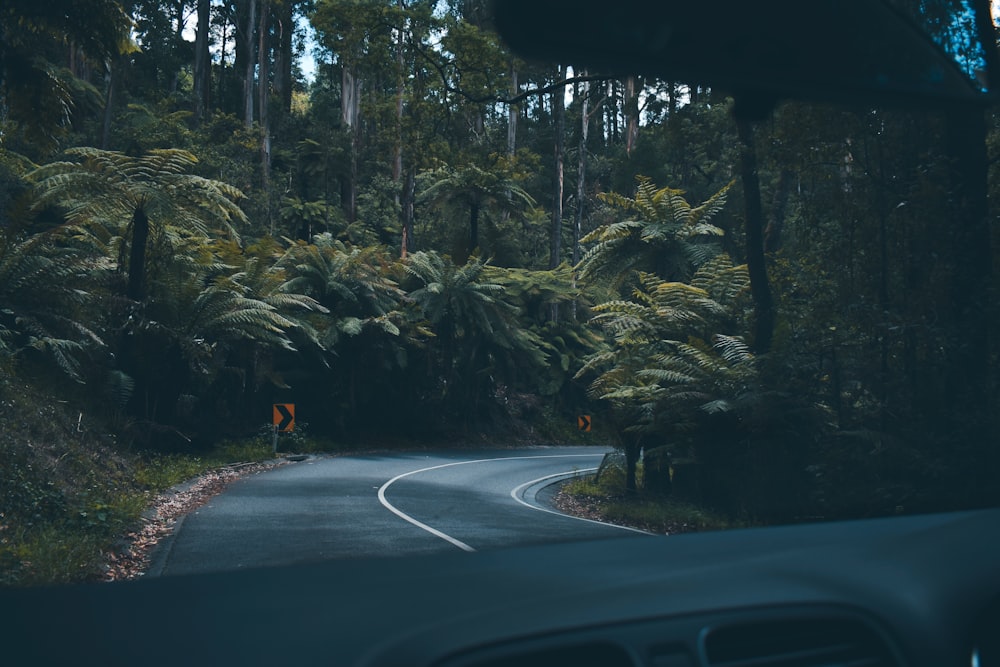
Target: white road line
x=517 y=492
x=434 y=531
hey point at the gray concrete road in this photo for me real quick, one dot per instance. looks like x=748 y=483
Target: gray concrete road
x=381 y=505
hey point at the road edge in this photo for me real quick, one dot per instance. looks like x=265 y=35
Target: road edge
x=528 y=494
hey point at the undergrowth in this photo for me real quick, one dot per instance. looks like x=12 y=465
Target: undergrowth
x=607 y=497
x=69 y=490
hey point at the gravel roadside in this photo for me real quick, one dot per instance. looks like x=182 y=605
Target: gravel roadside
x=130 y=556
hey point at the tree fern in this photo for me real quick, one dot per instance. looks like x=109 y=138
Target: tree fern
x=45 y=287
x=478 y=336
x=354 y=285
x=667 y=236
x=131 y=196
x=666 y=361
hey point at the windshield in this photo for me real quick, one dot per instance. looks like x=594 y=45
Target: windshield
x=353 y=280
x=952 y=25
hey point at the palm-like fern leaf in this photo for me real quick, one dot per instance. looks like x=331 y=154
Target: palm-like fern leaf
x=667 y=236
x=44 y=288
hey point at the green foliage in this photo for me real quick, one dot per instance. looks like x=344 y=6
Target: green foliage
x=139 y=129
x=379 y=209
x=106 y=188
x=473 y=192
x=665 y=350
x=665 y=358
x=666 y=237
x=478 y=341
x=306 y=218
x=350 y=283
x=35 y=91
x=652 y=513
x=45 y=286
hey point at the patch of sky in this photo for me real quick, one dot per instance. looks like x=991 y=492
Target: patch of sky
x=952 y=26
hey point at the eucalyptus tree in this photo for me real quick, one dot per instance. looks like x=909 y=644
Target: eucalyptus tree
x=391 y=110
x=358 y=36
x=202 y=69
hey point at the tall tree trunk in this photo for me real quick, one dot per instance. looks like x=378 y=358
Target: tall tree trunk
x=397 y=149
x=350 y=101
x=512 y=112
x=109 y=100
x=555 y=233
x=581 y=168
x=264 y=95
x=760 y=289
x=284 y=20
x=967 y=240
x=135 y=289
x=559 y=116
x=473 y=230
x=249 y=62
x=631 y=108
x=202 y=62
x=555 y=243
x=409 y=243
x=179 y=39
x=350 y=92
x=221 y=87
x=613 y=133
x=581 y=177
x=599 y=120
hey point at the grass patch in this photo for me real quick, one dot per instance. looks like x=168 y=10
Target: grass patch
x=49 y=554
x=588 y=487
x=159 y=472
x=607 y=500
x=662 y=515
x=69 y=490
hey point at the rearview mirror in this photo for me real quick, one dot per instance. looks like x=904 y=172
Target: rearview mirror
x=868 y=51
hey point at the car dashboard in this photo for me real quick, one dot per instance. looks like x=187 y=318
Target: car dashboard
x=907 y=591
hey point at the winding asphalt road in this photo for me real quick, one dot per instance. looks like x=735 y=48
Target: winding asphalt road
x=382 y=505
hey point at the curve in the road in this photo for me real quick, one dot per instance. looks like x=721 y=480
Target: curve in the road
x=515 y=493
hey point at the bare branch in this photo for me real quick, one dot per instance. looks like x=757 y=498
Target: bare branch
x=500 y=99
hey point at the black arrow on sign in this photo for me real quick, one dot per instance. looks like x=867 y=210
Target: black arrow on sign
x=583 y=422
x=287 y=417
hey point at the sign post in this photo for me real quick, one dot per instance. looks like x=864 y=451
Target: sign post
x=283 y=418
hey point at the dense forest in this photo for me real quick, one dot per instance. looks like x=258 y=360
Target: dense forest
x=424 y=236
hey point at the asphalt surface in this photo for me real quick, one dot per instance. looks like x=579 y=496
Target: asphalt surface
x=380 y=506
